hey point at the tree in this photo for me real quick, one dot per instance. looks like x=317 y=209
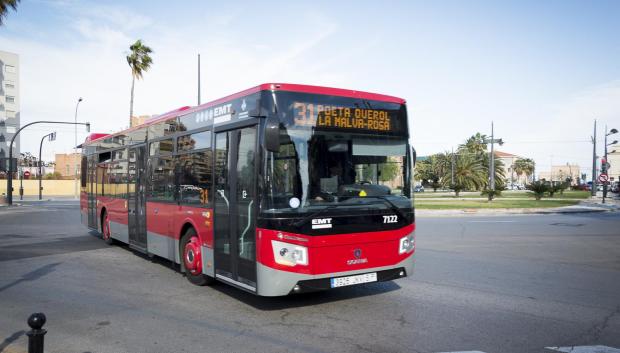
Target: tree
x=475 y=144
x=524 y=166
x=4 y=8
x=468 y=174
x=432 y=170
x=139 y=61
x=476 y=147
x=538 y=188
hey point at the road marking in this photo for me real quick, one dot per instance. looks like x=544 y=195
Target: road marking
x=464 y=352
x=584 y=349
x=492 y=221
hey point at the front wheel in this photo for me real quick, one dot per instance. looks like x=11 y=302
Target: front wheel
x=191 y=257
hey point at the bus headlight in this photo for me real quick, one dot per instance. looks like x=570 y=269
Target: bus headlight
x=407 y=244
x=289 y=254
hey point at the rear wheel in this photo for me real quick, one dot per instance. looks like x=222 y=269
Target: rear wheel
x=106 y=234
x=191 y=257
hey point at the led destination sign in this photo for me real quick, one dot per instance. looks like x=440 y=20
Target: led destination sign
x=330 y=116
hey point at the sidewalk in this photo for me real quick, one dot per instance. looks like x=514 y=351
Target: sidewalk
x=30 y=200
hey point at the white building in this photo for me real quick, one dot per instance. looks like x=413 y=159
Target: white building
x=613 y=158
x=9 y=102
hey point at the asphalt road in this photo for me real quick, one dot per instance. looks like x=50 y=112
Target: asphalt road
x=491 y=284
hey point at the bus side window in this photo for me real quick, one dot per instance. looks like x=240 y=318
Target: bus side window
x=84 y=171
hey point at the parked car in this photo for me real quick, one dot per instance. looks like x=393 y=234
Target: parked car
x=418 y=188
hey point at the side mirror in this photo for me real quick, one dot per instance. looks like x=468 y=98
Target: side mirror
x=272 y=134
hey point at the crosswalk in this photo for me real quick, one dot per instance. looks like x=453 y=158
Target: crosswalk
x=567 y=349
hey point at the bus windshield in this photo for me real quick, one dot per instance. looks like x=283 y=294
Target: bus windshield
x=335 y=153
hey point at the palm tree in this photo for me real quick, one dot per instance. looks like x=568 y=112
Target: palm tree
x=469 y=174
x=432 y=170
x=524 y=166
x=539 y=188
x=4 y=8
x=475 y=144
x=139 y=61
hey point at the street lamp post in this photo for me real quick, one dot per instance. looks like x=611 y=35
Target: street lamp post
x=611 y=132
x=593 y=191
x=52 y=137
x=492 y=141
x=9 y=180
x=20 y=171
x=75 y=182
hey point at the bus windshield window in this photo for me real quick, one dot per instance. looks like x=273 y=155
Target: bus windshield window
x=317 y=167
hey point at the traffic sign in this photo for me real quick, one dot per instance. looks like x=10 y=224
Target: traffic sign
x=26 y=174
x=603 y=178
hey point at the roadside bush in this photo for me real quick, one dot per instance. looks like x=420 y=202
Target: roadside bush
x=557 y=187
x=491 y=194
x=53 y=176
x=538 y=188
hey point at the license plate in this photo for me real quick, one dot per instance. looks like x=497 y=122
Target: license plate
x=352 y=280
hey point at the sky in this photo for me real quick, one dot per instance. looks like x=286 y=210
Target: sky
x=542 y=71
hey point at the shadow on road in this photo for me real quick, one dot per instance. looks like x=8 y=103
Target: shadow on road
x=12 y=338
x=290 y=301
x=306 y=299
x=32 y=275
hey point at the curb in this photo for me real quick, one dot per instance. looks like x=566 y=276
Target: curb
x=509 y=211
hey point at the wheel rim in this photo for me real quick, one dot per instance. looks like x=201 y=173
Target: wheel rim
x=192 y=256
x=106 y=228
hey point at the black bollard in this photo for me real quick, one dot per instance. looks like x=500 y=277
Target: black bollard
x=35 y=336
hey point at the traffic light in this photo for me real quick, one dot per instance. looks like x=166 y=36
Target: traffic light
x=603 y=166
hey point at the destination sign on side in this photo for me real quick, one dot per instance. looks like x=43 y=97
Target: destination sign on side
x=330 y=116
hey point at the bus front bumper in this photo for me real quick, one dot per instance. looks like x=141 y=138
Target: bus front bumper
x=274 y=282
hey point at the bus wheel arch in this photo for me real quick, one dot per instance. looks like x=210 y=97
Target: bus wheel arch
x=106 y=232
x=190 y=256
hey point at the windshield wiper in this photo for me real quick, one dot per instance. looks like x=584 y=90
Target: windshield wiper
x=305 y=220
x=391 y=204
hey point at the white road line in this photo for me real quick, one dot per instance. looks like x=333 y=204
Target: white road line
x=492 y=221
x=584 y=349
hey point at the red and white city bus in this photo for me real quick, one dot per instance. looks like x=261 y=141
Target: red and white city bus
x=278 y=189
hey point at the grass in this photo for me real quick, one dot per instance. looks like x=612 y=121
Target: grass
x=498 y=203
x=568 y=195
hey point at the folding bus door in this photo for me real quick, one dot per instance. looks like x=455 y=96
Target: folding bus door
x=91 y=192
x=235 y=207
x=136 y=202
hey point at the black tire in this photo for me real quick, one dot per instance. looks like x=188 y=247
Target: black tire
x=188 y=260
x=106 y=233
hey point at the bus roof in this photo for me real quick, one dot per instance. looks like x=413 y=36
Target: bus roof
x=290 y=87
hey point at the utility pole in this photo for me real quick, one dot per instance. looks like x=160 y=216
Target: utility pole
x=593 y=191
x=492 y=141
x=199 y=79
